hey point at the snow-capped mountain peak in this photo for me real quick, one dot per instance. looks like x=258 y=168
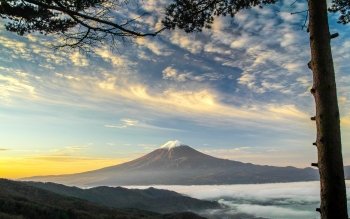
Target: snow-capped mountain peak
x=171 y=144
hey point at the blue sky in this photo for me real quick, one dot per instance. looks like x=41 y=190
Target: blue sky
x=237 y=91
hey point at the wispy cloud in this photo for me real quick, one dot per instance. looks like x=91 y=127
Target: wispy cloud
x=264 y=155
x=126 y=123
x=15 y=83
x=116 y=60
x=205 y=105
x=245 y=75
x=79 y=59
x=187 y=42
x=69 y=153
x=171 y=73
x=155 y=47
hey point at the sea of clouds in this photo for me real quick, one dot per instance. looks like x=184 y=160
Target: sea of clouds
x=257 y=201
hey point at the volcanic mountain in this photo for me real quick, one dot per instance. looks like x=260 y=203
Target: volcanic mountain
x=178 y=164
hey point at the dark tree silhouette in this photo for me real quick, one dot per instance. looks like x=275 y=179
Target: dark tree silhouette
x=194 y=15
x=82 y=23
x=343 y=7
x=91 y=22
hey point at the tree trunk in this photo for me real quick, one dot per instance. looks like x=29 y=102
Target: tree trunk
x=330 y=160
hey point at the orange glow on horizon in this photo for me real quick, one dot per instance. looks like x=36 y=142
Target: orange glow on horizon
x=15 y=168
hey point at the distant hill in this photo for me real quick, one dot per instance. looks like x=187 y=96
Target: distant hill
x=178 y=164
x=156 y=200
x=22 y=201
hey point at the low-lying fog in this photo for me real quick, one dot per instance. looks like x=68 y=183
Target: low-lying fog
x=273 y=201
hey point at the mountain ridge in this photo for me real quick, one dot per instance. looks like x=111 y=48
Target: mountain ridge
x=28 y=200
x=150 y=199
x=182 y=165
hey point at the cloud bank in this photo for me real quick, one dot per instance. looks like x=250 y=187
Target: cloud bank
x=270 y=201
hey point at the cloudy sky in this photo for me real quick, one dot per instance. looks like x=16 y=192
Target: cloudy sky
x=237 y=91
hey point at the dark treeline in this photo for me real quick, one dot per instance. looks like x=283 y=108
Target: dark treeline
x=21 y=201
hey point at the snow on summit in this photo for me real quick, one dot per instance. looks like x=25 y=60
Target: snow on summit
x=171 y=144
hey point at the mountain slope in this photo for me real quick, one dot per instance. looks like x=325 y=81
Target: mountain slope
x=20 y=200
x=182 y=165
x=156 y=200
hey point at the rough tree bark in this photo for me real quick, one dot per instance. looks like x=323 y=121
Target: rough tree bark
x=330 y=160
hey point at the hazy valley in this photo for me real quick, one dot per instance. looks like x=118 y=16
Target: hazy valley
x=211 y=187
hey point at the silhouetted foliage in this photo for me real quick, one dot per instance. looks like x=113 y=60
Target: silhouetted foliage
x=194 y=15
x=343 y=7
x=86 y=23
x=80 y=22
